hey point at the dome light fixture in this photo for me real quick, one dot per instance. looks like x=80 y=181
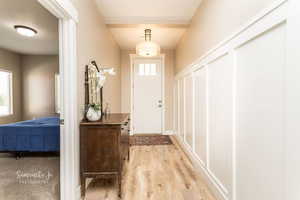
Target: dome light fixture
x=25 y=30
x=147 y=48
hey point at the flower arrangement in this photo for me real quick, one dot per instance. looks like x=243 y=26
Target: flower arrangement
x=95 y=78
x=95 y=106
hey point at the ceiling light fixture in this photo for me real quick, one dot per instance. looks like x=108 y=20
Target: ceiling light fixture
x=25 y=30
x=147 y=48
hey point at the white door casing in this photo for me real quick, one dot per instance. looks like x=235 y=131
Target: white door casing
x=69 y=161
x=147 y=95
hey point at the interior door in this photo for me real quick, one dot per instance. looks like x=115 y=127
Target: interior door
x=147 y=97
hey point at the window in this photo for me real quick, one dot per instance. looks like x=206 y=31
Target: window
x=6 y=106
x=57 y=93
x=147 y=69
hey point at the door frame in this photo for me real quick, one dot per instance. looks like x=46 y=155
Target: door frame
x=134 y=57
x=69 y=140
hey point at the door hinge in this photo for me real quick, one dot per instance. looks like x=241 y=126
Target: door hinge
x=61 y=121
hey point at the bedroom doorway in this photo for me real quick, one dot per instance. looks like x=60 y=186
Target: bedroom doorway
x=29 y=120
x=34 y=74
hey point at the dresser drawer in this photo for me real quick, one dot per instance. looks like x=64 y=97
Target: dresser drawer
x=100 y=149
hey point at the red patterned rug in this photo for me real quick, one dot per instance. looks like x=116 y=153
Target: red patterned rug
x=147 y=140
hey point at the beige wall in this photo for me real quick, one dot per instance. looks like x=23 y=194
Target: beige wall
x=213 y=22
x=38 y=86
x=11 y=61
x=95 y=42
x=169 y=78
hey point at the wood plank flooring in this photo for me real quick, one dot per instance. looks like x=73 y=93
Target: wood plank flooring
x=154 y=173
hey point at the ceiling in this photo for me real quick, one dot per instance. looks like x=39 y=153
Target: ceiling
x=167 y=36
x=168 y=20
x=29 y=13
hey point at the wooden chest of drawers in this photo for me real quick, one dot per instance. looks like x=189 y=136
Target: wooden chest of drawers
x=104 y=147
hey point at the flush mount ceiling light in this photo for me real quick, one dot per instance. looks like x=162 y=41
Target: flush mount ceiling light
x=25 y=30
x=147 y=48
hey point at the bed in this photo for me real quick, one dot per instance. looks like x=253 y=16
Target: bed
x=40 y=135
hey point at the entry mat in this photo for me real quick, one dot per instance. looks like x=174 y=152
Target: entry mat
x=147 y=140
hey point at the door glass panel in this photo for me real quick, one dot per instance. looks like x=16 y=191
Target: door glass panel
x=153 y=69
x=141 y=69
x=147 y=69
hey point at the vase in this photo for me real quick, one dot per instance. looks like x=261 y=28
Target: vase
x=93 y=115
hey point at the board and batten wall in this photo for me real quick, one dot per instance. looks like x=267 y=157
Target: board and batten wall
x=213 y=21
x=237 y=109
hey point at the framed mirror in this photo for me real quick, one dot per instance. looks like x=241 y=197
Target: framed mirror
x=93 y=85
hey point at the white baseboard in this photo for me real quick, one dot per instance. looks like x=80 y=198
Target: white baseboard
x=197 y=164
x=168 y=132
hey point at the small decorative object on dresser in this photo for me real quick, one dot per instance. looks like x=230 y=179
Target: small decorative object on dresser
x=93 y=113
x=104 y=147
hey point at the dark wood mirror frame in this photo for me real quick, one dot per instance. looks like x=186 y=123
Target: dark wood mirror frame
x=87 y=89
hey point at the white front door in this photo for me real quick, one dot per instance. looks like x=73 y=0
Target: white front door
x=147 y=96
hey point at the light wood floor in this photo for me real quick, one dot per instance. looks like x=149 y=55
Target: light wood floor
x=154 y=173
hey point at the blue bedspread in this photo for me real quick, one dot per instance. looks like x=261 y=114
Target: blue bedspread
x=40 y=135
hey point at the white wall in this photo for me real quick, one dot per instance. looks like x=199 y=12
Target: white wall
x=232 y=109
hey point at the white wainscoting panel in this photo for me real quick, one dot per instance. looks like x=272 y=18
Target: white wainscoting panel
x=181 y=108
x=260 y=116
x=200 y=114
x=220 y=109
x=188 y=88
x=175 y=119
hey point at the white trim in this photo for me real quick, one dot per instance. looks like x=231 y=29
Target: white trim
x=234 y=126
x=168 y=132
x=207 y=117
x=61 y=9
x=292 y=114
x=78 y=193
x=193 y=114
x=69 y=161
x=57 y=93
x=174 y=108
x=134 y=57
x=184 y=110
